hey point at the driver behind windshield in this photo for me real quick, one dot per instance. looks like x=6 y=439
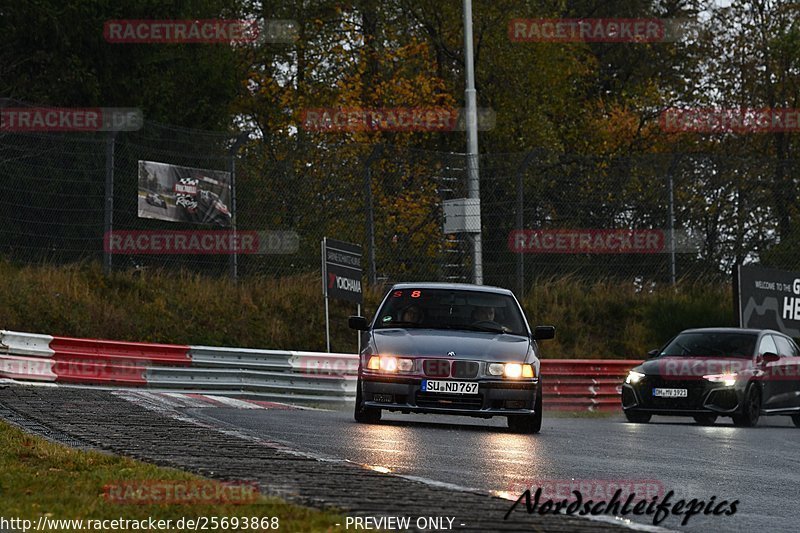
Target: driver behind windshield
x=483 y=314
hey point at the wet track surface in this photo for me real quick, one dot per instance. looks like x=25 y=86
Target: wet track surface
x=154 y=427
x=759 y=466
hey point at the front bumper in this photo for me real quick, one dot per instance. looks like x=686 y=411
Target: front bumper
x=703 y=398
x=404 y=394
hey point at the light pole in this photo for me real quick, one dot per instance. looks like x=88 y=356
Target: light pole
x=473 y=177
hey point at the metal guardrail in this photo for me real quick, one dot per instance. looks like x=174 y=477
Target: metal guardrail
x=272 y=374
x=568 y=384
x=583 y=384
x=26 y=356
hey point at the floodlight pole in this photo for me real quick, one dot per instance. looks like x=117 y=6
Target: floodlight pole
x=473 y=176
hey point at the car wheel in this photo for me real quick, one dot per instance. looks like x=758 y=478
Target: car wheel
x=365 y=415
x=705 y=420
x=638 y=418
x=529 y=423
x=796 y=420
x=751 y=408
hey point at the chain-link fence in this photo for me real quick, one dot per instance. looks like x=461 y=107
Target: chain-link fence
x=542 y=214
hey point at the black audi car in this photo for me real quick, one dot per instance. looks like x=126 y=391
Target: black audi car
x=450 y=349
x=713 y=372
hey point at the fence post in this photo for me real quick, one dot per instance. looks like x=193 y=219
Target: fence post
x=521 y=220
x=108 y=224
x=672 y=266
x=372 y=273
x=234 y=257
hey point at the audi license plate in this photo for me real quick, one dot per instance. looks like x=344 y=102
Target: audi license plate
x=449 y=387
x=671 y=393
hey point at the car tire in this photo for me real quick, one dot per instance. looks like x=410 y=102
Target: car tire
x=796 y=420
x=638 y=418
x=362 y=414
x=529 y=423
x=751 y=410
x=705 y=420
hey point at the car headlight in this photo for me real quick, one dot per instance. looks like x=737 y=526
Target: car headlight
x=729 y=380
x=496 y=369
x=405 y=365
x=511 y=370
x=634 y=377
x=389 y=364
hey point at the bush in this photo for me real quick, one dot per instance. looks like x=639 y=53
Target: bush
x=602 y=319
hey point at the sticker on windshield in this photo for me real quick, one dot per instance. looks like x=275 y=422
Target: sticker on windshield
x=387 y=318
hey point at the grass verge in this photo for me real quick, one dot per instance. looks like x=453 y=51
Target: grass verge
x=40 y=478
x=594 y=320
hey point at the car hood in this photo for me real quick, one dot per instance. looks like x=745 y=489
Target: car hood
x=693 y=367
x=439 y=343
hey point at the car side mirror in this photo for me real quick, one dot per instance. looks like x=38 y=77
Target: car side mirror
x=652 y=353
x=541 y=333
x=358 y=322
x=769 y=357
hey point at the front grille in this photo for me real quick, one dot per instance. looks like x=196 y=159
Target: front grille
x=696 y=389
x=628 y=398
x=449 y=401
x=723 y=399
x=436 y=368
x=465 y=369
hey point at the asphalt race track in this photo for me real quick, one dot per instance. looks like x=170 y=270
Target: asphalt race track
x=443 y=466
x=759 y=466
x=160 y=429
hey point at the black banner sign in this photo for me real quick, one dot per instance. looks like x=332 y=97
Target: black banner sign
x=342 y=270
x=769 y=299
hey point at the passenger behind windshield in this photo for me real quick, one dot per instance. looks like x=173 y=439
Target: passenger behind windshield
x=412 y=315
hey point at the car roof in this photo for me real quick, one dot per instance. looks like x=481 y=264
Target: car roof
x=452 y=286
x=752 y=331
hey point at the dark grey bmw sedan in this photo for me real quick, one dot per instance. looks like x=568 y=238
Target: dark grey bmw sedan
x=450 y=349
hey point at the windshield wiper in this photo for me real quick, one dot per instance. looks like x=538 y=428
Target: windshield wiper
x=401 y=324
x=470 y=327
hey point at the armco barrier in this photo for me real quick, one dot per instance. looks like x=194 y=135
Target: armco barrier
x=26 y=356
x=584 y=384
x=568 y=384
x=112 y=362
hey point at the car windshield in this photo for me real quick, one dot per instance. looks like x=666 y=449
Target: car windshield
x=711 y=344
x=451 y=309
